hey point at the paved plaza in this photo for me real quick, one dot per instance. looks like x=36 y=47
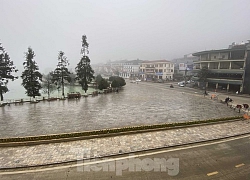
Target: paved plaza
x=136 y=104
x=45 y=154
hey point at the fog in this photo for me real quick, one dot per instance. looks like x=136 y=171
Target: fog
x=117 y=30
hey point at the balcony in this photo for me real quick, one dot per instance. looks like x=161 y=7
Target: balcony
x=221 y=81
x=223 y=71
x=149 y=67
x=159 y=73
x=218 y=60
x=225 y=81
x=149 y=72
x=226 y=71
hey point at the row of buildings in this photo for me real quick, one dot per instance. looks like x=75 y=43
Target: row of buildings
x=229 y=69
x=144 y=70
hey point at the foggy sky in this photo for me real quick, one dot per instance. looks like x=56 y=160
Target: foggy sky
x=116 y=29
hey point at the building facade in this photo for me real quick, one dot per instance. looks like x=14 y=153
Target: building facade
x=130 y=69
x=123 y=68
x=229 y=69
x=184 y=66
x=156 y=70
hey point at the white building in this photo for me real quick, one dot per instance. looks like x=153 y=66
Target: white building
x=130 y=69
x=155 y=70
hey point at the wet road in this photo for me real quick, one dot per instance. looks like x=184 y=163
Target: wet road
x=136 y=104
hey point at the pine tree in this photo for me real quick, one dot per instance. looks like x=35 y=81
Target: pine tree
x=84 y=71
x=47 y=84
x=7 y=69
x=202 y=77
x=31 y=76
x=61 y=73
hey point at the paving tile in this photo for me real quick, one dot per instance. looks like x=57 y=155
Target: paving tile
x=11 y=157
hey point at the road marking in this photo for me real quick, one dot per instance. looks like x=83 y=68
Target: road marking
x=212 y=173
x=239 y=165
x=82 y=163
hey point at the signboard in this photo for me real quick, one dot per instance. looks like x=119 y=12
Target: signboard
x=183 y=67
x=190 y=67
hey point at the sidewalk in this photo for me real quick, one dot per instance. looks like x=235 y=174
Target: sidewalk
x=45 y=154
x=237 y=99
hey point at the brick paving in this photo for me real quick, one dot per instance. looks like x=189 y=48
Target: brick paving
x=137 y=104
x=23 y=156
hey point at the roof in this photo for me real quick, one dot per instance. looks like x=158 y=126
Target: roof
x=233 y=47
x=218 y=50
x=156 y=61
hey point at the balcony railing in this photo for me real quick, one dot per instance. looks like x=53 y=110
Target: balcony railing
x=218 y=59
x=149 y=71
x=222 y=81
x=225 y=81
x=223 y=71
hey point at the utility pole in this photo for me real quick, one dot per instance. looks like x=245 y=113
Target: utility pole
x=185 y=76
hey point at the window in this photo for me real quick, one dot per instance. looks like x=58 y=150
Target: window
x=214 y=57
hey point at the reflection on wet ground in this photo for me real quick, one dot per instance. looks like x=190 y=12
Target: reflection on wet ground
x=137 y=104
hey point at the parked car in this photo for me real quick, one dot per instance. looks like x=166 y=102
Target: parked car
x=160 y=81
x=182 y=82
x=181 y=85
x=190 y=81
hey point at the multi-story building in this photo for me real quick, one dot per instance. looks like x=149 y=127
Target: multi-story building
x=155 y=70
x=130 y=69
x=229 y=69
x=183 y=67
x=122 y=68
x=102 y=69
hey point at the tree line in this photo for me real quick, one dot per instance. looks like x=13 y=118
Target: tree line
x=33 y=81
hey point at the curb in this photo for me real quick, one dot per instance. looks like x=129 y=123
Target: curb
x=125 y=153
x=57 y=139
